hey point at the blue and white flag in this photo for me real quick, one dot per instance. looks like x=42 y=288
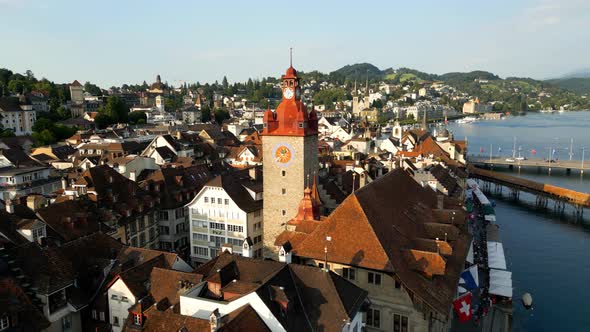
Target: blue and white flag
x=469 y=278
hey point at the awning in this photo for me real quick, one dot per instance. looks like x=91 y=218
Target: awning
x=496 y=259
x=469 y=258
x=490 y=217
x=500 y=283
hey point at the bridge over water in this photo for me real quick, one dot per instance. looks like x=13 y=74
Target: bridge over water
x=568 y=165
x=543 y=192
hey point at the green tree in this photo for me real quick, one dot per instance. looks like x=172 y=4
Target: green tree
x=102 y=120
x=220 y=115
x=205 y=114
x=63 y=112
x=115 y=109
x=45 y=137
x=136 y=117
x=92 y=89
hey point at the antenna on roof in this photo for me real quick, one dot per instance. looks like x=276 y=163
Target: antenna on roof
x=291 y=56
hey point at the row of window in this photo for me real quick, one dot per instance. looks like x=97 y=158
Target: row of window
x=220 y=201
x=231 y=214
x=400 y=322
x=372 y=277
x=201 y=251
x=218 y=240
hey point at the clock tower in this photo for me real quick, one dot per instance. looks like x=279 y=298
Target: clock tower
x=290 y=157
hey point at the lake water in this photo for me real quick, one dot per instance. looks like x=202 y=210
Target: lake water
x=548 y=254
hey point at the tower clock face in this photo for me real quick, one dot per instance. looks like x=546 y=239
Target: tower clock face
x=288 y=93
x=283 y=154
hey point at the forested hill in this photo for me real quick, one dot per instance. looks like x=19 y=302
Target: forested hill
x=487 y=86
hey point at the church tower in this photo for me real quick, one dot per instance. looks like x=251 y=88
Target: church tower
x=290 y=154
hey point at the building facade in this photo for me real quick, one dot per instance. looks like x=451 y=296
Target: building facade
x=228 y=210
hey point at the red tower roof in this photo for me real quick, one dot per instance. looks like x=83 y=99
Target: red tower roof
x=291 y=117
x=308 y=210
x=291 y=73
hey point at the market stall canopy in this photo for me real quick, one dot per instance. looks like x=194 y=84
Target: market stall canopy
x=496 y=259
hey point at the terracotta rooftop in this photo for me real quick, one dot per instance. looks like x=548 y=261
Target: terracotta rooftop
x=332 y=298
x=375 y=227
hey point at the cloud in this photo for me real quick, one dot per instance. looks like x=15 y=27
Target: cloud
x=545 y=14
x=12 y=3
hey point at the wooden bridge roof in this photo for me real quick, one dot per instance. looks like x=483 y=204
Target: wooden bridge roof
x=569 y=195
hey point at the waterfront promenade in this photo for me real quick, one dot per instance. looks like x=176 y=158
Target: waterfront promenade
x=568 y=165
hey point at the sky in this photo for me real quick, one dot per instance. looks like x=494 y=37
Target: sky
x=127 y=41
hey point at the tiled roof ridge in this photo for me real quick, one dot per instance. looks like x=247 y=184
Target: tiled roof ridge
x=131 y=269
x=299 y=297
x=356 y=301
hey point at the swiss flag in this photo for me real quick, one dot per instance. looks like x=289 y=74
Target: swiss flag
x=462 y=307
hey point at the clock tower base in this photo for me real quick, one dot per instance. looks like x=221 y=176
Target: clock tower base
x=284 y=182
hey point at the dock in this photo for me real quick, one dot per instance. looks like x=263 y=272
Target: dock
x=543 y=192
x=540 y=164
x=492 y=299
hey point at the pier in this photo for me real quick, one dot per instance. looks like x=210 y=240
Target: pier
x=495 y=182
x=540 y=164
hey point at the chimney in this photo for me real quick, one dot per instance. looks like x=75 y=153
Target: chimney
x=8 y=203
x=132 y=176
x=440 y=199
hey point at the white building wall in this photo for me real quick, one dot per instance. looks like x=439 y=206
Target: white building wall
x=202 y=214
x=118 y=307
x=202 y=308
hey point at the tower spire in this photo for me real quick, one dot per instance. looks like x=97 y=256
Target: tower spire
x=424 y=121
x=290 y=56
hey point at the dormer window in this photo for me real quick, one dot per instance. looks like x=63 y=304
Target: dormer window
x=137 y=319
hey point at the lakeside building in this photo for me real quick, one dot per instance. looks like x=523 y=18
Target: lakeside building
x=475 y=106
x=394 y=238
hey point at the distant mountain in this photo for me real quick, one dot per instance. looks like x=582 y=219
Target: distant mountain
x=580 y=73
x=575 y=84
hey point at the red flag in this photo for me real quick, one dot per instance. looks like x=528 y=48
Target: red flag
x=481 y=150
x=534 y=152
x=462 y=307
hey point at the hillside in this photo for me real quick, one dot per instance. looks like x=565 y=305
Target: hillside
x=358 y=72
x=579 y=85
x=487 y=86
